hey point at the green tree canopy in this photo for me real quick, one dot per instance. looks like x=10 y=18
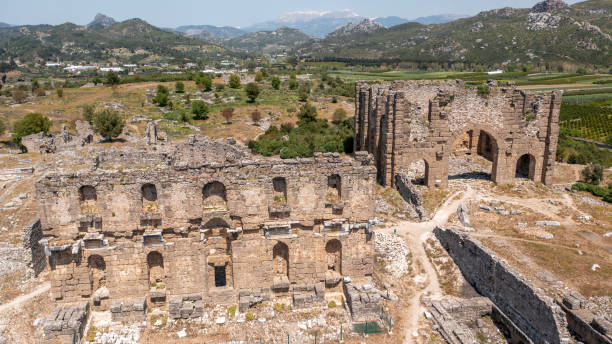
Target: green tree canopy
x=112 y=78
x=31 y=123
x=234 y=81
x=275 y=83
x=259 y=77
x=108 y=124
x=252 y=91
x=200 y=110
x=179 y=87
x=204 y=82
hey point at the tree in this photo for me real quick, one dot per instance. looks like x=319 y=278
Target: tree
x=96 y=80
x=234 y=81
x=40 y=92
x=200 y=110
x=256 y=116
x=304 y=93
x=275 y=83
x=89 y=113
x=112 y=78
x=259 y=77
x=19 y=95
x=592 y=173
x=35 y=84
x=203 y=82
x=339 y=115
x=252 y=91
x=308 y=113
x=108 y=124
x=179 y=87
x=2 y=127
x=228 y=114
x=32 y=123
x=161 y=99
x=293 y=84
x=60 y=92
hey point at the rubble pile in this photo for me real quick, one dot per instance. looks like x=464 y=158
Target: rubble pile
x=394 y=251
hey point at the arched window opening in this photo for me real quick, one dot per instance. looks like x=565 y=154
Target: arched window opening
x=97 y=272
x=214 y=197
x=464 y=164
x=334 y=188
x=280 y=254
x=157 y=275
x=149 y=198
x=88 y=198
x=279 y=185
x=220 y=276
x=333 y=250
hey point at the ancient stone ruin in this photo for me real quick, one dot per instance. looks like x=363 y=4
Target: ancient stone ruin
x=206 y=223
x=428 y=121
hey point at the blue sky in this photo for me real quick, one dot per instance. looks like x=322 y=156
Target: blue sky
x=166 y=13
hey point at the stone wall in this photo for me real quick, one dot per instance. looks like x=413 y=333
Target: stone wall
x=410 y=194
x=208 y=219
x=536 y=314
x=66 y=323
x=410 y=121
x=30 y=237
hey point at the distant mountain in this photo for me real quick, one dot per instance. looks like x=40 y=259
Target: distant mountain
x=210 y=33
x=313 y=23
x=551 y=31
x=4 y=25
x=439 y=19
x=269 y=42
x=391 y=21
x=132 y=40
x=364 y=26
x=101 y=22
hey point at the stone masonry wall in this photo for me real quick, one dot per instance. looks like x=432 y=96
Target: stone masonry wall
x=420 y=120
x=207 y=219
x=536 y=314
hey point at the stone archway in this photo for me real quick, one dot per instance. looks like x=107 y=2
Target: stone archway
x=155 y=267
x=214 y=197
x=489 y=146
x=333 y=251
x=525 y=167
x=280 y=256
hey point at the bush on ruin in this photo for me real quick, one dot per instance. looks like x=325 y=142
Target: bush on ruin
x=592 y=173
x=108 y=124
x=32 y=123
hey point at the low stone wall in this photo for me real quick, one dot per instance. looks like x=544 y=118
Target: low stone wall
x=308 y=295
x=410 y=193
x=30 y=237
x=129 y=310
x=186 y=306
x=363 y=301
x=66 y=322
x=583 y=323
x=536 y=314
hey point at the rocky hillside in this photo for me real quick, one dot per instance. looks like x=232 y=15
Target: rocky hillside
x=101 y=22
x=363 y=27
x=132 y=40
x=269 y=42
x=550 y=31
x=209 y=33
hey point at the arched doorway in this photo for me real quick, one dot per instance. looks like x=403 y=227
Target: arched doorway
x=417 y=171
x=88 y=199
x=280 y=254
x=149 y=198
x=525 y=167
x=97 y=272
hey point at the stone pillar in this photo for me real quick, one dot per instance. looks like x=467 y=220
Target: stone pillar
x=552 y=138
x=150 y=133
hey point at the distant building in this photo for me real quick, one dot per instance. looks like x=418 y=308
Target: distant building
x=78 y=68
x=112 y=69
x=499 y=71
x=52 y=64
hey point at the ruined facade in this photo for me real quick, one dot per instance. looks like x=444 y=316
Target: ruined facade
x=207 y=223
x=409 y=121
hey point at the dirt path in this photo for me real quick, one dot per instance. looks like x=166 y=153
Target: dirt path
x=23 y=298
x=415 y=234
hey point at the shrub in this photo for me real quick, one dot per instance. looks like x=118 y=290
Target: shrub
x=259 y=77
x=279 y=307
x=252 y=91
x=200 y=110
x=250 y=316
x=40 y=92
x=96 y=80
x=31 y=123
x=228 y=114
x=334 y=100
x=275 y=83
x=219 y=87
x=19 y=96
x=592 y=173
x=2 y=127
x=89 y=113
x=605 y=193
x=231 y=311
x=339 y=115
x=161 y=99
x=60 y=92
x=204 y=82
x=112 y=78
x=331 y=304
x=483 y=90
x=179 y=87
x=234 y=81
x=108 y=124
x=256 y=116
